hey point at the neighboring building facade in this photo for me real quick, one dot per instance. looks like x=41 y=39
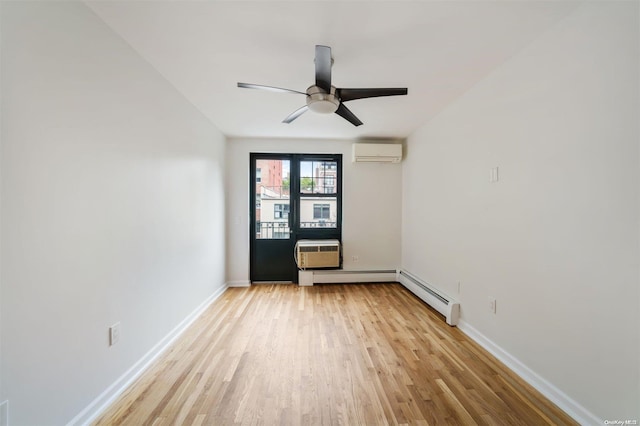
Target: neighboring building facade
x=273 y=197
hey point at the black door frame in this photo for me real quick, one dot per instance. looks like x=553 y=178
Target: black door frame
x=296 y=232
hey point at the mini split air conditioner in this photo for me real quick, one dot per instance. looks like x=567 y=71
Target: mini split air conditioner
x=377 y=153
x=318 y=254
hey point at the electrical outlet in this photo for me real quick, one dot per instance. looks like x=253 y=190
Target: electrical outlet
x=492 y=304
x=355 y=258
x=114 y=334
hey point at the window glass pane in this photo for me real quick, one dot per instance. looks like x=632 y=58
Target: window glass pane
x=281 y=211
x=272 y=199
x=318 y=212
x=321 y=211
x=318 y=177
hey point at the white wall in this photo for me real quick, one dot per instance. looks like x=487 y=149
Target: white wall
x=555 y=240
x=371 y=205
x=112 y=208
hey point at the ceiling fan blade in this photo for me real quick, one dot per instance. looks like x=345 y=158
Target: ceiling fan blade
x=346 y=95
x=295 y=114
x=345 y=113
x=269 y=88
x=323 y=68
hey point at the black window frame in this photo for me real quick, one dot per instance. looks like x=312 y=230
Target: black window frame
x=319 y=232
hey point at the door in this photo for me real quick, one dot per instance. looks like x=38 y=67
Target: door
x=293 y=196
x=272 y=234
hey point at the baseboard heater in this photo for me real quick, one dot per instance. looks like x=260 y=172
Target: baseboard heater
x=342 y=276
x=434 y=298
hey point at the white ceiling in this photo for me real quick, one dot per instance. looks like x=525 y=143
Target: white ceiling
x=438 y=49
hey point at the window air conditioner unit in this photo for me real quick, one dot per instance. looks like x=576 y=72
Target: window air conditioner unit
x=318 y=254
x=377 y=153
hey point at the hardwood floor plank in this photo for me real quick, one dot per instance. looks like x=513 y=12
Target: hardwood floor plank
x=370 y=354
x=460 y=410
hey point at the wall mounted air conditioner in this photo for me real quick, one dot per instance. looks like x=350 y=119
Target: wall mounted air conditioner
x=377 y=153
x=318 y=254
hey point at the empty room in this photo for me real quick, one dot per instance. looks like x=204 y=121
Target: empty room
x=319 y=212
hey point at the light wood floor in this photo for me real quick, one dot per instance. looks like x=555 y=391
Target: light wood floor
x=350 y=354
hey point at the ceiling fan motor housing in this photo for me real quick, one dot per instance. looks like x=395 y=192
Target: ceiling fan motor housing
x=320 y=101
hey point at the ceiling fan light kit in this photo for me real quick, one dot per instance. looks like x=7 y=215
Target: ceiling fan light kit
x=324 y=98
x=319 y=101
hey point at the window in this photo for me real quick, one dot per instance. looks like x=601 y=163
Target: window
x=281 y=211
x=258 y=175
x=319 y=192
x=318 y=177
x=321 y=211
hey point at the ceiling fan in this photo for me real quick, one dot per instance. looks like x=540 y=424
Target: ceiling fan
x=324 y=98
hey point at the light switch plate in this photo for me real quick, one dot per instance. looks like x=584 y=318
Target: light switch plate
x=114 y=334
x=493 y=174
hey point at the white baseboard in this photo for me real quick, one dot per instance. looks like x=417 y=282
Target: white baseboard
x=555 y=395
x=305 y=278
x=340 y=276
x=335 y=276
x=238 y=283
x=98 y=405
